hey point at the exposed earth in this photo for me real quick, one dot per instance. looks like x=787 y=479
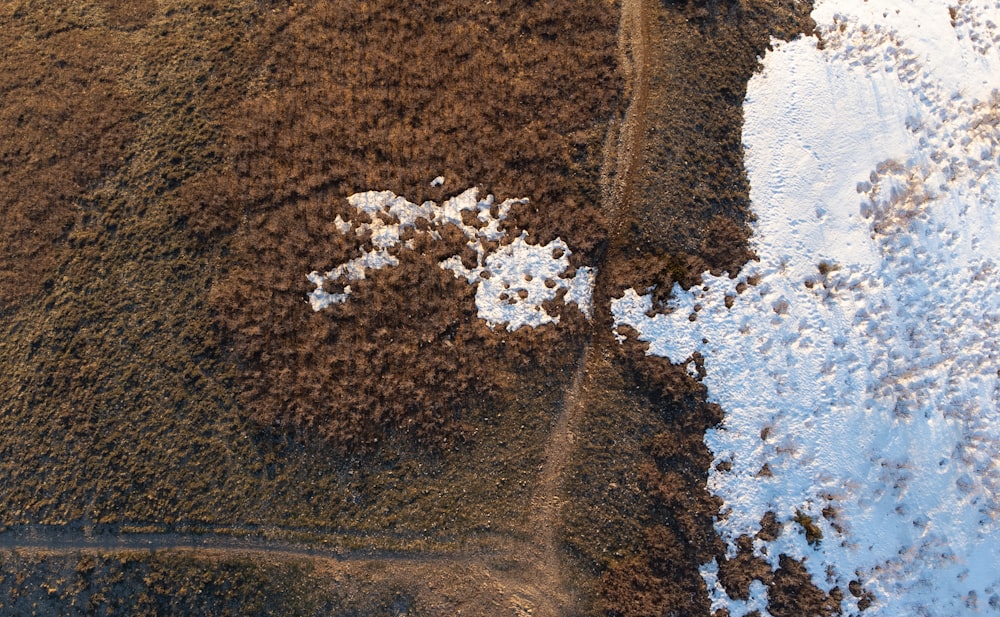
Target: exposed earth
x=181 y=433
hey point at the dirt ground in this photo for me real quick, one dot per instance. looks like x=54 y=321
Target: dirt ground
x=173 y=169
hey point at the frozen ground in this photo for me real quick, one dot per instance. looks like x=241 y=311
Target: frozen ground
x=857 y=361
x=513 y=281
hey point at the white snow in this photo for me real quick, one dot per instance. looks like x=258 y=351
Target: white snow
x=861 y=364
x=513 y=281
x=523 y=276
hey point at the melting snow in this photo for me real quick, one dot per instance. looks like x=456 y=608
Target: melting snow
x=513 y=281
x=861 y=362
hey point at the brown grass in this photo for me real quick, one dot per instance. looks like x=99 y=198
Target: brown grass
x=120 y=398
x=662 y=575
x=152 y=584
x=66 y=124
x=171 y=181
x=356 y=96
x=692 y=162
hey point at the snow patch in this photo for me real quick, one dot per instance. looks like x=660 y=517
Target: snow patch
x=860 y=359
x=514 y=280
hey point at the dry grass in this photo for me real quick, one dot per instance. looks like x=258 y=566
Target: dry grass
x=689 y=213
x=691 y=166
x=357 y=96
x=144 y=584
x=67 y=124
x=120 y=396
x=168 y=184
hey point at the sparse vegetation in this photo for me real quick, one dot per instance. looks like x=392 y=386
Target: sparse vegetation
x=67 y=124
x=814 y=535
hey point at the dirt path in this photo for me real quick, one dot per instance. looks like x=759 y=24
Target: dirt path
x=622 y=144
x=548 y=500
x=622 y=147
x=444 y=583
x=467 y=582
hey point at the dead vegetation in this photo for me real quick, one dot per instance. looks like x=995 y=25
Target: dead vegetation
x=357 y=96
x=790 y=589
x=689 y=213
x=162 y=207
x=66 y=126
x=662 y=574
x=151 y=584
x=690 y=155
x=120 y=396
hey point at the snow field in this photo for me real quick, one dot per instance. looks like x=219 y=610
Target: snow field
x=858 y=363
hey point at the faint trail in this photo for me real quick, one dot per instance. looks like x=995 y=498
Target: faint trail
x=477 y=581
x=546 y=504
x=621 y=149
x=446 y=583
x=54 y=538
x=547 y=501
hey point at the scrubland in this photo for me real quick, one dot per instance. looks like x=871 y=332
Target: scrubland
x=172 y=172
